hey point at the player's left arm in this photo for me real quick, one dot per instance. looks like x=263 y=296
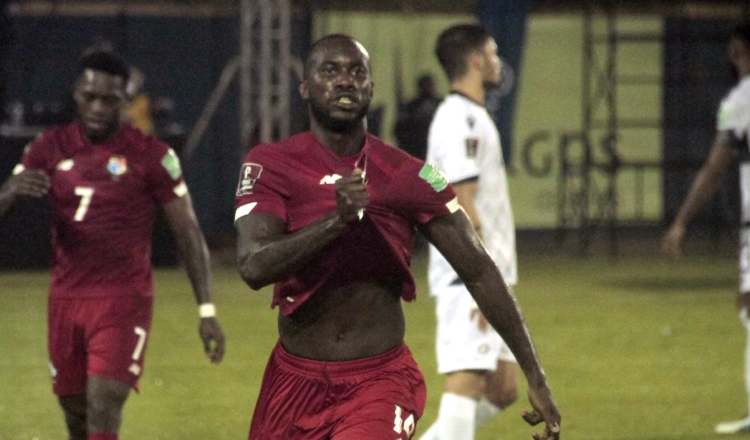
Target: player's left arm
x=194 y=252
x=454 y=236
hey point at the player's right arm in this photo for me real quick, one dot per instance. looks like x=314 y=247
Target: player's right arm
x=266 y=252
x=455 y=238
x=21 y=187
x=705 y=184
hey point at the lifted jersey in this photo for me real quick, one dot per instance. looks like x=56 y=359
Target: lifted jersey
x=464 y=144
x=103 y=203
x=294 y=180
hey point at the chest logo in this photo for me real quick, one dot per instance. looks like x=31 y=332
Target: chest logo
x=65 y=165
x=249 y=173
x=329 y=179
x=472 y=145
x=117 y=166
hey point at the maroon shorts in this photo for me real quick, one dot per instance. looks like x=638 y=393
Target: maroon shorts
x=103 y=337
x=379 y=397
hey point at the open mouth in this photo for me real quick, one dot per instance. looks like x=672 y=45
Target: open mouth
x=96 y=125
x=345 y=101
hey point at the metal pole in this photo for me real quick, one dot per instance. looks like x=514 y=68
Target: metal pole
x=266 y=68
x=285 y=66
x=247 y=16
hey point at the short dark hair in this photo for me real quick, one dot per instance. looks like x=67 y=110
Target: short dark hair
x=741 y=31
x=455 y=44
x=108 y=62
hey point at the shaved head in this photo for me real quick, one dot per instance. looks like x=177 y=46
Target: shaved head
x=331 y=42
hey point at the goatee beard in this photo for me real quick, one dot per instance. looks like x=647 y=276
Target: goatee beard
x=337 y=125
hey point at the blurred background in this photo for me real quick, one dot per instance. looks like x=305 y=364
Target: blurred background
x=606 y=111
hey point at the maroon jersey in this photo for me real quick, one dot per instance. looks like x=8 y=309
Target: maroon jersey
x=294 y=180
x=103 y=202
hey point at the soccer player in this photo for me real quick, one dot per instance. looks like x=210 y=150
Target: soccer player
x=732 y=136
x=482 y=373
x=104 y=181
x=329 y=216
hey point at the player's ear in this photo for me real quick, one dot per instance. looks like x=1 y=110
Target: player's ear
x=303 y=91
x=476 y=60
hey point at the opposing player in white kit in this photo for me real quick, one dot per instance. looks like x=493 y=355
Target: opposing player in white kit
x=733 y=128
x=482 y=374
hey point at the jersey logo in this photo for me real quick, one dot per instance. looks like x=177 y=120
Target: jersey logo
x=171 y=163
x=329 y=179
x=472 y=145
x=67 y=165
x=249 y=173
x=471 y=121
x=434 y=177
x=117 y=166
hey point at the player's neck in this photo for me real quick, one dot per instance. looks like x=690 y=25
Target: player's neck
x=344 y=144
x=470 y=88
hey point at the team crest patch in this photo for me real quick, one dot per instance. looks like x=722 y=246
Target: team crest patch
x=472 y=145
x=171 y=163
x=249 y=173
x=434 y=177
x=117 y=166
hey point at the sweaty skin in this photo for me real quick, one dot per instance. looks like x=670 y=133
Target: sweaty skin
x=366 y=319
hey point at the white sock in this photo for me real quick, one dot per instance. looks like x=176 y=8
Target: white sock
x=746 y=321
x=485 y=412
x=456 y=418
x=431 y=433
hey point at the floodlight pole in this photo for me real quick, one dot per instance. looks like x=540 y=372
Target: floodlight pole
x=247 y=16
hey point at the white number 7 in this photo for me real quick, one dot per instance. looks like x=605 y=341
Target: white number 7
x=141 y=342
x=86 y=193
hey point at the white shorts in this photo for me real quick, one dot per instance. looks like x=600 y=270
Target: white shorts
x=745 y=259
x=460 y=345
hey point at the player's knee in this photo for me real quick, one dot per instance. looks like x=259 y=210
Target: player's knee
x=105 y=399
x=504 y=396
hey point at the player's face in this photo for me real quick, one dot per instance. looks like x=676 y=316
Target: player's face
x=100 y=98
x=492 y=65
x=339 y=86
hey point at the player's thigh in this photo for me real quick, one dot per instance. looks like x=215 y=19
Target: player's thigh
x=67 y=347
x=377 y=421
x=461 y=344
x=117 y=346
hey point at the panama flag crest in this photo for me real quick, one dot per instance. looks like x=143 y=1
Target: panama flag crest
x=117 y=166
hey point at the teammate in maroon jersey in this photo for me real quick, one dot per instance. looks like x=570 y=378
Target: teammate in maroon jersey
x=329 y=216
x=105 y=181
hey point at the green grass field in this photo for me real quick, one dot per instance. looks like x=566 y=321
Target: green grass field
x=640 y=348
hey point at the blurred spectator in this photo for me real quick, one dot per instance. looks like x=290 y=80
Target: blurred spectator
x=138 y=109
x=413 y=122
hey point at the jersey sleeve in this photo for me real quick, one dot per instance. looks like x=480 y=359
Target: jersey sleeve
x=452 y=147
x=429 y=195
x=261 y=187
x=734 y=114
x=34 y=154
x=165 y=174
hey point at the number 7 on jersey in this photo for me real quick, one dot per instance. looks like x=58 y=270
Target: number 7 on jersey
x=86 y=193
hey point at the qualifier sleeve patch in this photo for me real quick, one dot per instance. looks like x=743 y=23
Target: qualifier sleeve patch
x=434 y=177
x=249 y=173
x=171 y=163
